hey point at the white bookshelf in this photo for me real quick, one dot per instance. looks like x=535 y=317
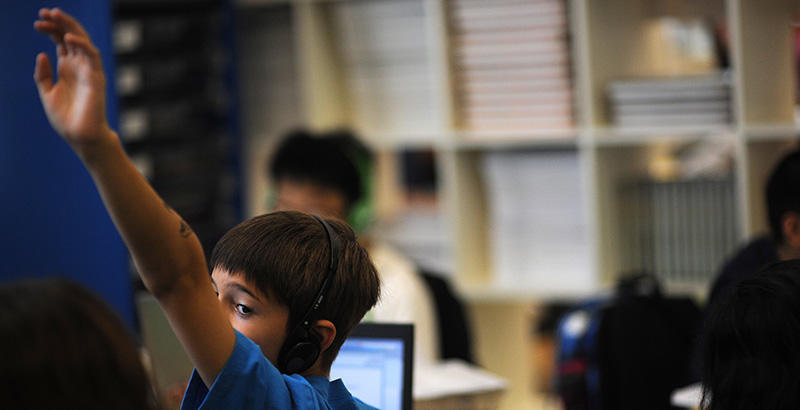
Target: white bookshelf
x=418 y=101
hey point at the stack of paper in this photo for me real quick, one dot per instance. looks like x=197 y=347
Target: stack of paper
x=678 y=101
x=386 y=64
x=512 y=64
x=539 y=236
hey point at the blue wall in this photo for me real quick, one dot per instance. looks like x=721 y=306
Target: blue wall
x=52 y=221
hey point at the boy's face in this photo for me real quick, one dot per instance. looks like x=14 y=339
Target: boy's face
x=310 y=198
x=260 y=318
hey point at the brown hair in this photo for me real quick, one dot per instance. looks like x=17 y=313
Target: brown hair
x=64 y=347
x=286 y=256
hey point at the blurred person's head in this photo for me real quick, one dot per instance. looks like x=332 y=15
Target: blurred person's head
x=65 y=348
x=783 y=205
x=325 y=174
x=752 y=354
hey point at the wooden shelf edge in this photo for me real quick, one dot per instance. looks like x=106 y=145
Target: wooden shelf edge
x=494 y=294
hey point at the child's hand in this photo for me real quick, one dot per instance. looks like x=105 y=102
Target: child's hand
x=75 y=105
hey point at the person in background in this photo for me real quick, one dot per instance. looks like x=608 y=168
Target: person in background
x=751 y=355
x=329 y=174
x=783 y=213
x=65 y=348
x=285 y=289
x=783 y=242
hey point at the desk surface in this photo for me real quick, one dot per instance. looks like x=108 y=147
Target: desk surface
x=455 y=384
x=489 y=400
x=688 y=397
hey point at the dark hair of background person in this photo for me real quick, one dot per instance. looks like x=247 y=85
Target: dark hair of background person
x=65 y=348
x=752 y=346
x=783 y=193
x=333 y=160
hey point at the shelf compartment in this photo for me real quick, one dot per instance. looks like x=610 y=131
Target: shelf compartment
x=387 y=72
x=679 y=231
x=538 y=233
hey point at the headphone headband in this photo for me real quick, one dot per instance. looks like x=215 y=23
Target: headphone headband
x=323 y=290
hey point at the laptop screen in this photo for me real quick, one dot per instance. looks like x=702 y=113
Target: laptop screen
x=375 y=363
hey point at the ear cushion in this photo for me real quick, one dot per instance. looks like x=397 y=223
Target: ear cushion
x=270 y=200
x=361 y=213
x=361 y=216
x=301 y=356
x=299 y=352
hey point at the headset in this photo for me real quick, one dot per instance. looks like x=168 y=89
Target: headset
x=301 y=348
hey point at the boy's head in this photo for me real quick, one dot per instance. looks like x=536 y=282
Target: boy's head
x=283 y=258
x=322 y=174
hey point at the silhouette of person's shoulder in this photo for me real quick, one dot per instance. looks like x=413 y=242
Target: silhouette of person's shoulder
x=746 y=261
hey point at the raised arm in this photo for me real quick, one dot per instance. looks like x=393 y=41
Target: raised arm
x=167 y=254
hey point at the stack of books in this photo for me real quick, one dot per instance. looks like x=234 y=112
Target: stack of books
x=386 y=64
x=538 y=230
x=512 y=64
x=681 y=231
x=697 y=101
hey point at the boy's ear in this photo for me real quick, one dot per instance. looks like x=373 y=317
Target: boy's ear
x=326 y=332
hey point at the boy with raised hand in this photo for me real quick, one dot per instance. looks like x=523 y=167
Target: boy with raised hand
x=286 y=288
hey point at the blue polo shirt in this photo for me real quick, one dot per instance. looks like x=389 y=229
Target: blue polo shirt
x=250 y=381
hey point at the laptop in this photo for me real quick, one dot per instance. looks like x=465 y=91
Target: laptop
x=376 y=365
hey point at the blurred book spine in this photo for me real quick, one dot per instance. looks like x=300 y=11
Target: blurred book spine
x=679 y=230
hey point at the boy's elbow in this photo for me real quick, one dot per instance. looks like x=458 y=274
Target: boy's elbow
x=179 y=286
x=179 y=278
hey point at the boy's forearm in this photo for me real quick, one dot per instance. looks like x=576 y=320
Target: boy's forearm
x=165 y=250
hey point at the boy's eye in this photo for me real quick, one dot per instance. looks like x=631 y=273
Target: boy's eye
x=242 y=309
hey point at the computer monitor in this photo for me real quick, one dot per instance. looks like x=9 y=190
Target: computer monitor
x=376 y=364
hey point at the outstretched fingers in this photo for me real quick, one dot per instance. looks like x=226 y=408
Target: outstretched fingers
x=69 y=24
x=69 y=37
x=53 y=31
x=56 y=24
x=43 y=73
x=71 y=92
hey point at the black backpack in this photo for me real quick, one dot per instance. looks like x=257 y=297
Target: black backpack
x=636 y=349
